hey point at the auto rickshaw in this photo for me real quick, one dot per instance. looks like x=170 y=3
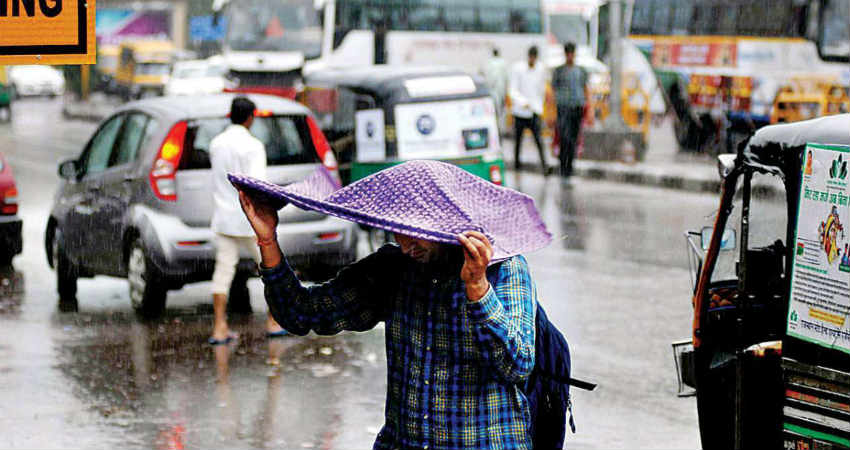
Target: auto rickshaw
x=378 y=116
x=6 y=95
x=143 y=68
x=769 y=275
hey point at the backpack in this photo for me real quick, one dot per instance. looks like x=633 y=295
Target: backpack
x=548 y=386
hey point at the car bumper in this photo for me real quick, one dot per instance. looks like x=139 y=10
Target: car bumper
x=188 y=253
x=11 y=240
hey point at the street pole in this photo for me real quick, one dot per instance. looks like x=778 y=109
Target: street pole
x=84 y=82
x=614 y=122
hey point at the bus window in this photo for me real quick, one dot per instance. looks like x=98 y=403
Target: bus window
x=834 y=36
x=494 y=20
x=683 y=11
x=661 y=16
x=642 y=17
x=526 y=17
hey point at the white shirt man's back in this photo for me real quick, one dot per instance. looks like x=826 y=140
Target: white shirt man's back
x=234 y=150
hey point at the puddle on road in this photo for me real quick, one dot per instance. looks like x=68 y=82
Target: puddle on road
x=162 y=386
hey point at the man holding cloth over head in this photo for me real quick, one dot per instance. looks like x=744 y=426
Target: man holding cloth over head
x=455 y=294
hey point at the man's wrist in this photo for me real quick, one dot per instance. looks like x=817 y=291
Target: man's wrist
x=267 y=241
x=477 y=290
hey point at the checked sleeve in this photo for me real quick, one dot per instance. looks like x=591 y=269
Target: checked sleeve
x=354 y=300
x=503 y=320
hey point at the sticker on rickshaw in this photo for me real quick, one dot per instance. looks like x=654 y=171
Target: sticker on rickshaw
x=819 y=309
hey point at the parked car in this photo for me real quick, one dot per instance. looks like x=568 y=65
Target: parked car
x=195 y=77
x=11 y=242
x=36 y=80
x=137 y=202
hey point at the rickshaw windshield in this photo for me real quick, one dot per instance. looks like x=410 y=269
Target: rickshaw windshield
x=768 y=220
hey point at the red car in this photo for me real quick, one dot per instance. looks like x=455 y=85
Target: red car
x=11 y=242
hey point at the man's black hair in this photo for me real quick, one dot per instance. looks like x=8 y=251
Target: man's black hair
x=532 y=51
x=241 y=109
x=495 y=51
x=569 y=47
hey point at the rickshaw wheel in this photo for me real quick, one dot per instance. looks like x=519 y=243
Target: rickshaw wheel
x=5 y=114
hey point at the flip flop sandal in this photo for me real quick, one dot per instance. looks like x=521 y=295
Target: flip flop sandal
x=230 y=338
x=276 y=334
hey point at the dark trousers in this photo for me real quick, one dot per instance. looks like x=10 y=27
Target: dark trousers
x=569 y=123
x=533 y=124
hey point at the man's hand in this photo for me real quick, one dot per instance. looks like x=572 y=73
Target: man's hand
x=262 y=216
x=477 y=252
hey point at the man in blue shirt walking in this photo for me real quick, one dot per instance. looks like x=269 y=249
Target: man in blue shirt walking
x=459 y=332
x=569 y=82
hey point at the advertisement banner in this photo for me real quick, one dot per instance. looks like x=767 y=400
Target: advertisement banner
x=370 y=135
x=820 y=280
x=60 y=32
x=446 y=129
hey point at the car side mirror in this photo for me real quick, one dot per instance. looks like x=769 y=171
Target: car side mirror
x=68 y=169
x=728 y=242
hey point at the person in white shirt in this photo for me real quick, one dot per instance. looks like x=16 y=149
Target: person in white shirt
x=496 y=75
x=234 y=150
x=528 y=91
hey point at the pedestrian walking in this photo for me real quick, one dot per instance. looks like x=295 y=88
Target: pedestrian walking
x=528 y=92
x=455 y=294
x=234 y=150
x=496 y=76
x=569 y=82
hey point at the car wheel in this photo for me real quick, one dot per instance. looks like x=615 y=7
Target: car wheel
x=147 y=293
x=5 y=259
x=377 y=238
x=66 y=274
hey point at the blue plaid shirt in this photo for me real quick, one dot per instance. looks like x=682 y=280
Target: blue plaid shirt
x=454 y=367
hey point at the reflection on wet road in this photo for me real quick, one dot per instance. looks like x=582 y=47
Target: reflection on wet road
x=615 y=281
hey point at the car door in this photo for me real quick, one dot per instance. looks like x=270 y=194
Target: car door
x=112 y=201
x=80 y=229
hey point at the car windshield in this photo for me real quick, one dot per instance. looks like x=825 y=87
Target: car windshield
x=196 y=72
x=569 y=28
x=269 y=25
x=286 y=138
x=152 y=69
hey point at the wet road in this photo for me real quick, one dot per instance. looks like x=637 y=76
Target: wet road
x=615 y=281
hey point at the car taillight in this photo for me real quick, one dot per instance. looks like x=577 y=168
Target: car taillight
x=9 y=201
x=495 y=175
x=163 y=173
x=323 y=149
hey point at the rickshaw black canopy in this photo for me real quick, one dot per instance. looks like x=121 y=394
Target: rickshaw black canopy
x=776 y=149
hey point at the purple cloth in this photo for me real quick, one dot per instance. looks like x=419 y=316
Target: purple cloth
x=430 y=200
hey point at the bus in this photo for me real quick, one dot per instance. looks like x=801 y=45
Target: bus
x=271 y=43
x=725 y=64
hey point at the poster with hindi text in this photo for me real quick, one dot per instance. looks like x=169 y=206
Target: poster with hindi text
x=820 y=280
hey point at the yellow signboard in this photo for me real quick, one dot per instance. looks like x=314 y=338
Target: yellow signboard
x=47 y=32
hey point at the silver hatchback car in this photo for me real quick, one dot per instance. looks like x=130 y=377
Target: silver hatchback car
x=137 y=203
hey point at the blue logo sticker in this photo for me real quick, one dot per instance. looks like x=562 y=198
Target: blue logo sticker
x=425 y=124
